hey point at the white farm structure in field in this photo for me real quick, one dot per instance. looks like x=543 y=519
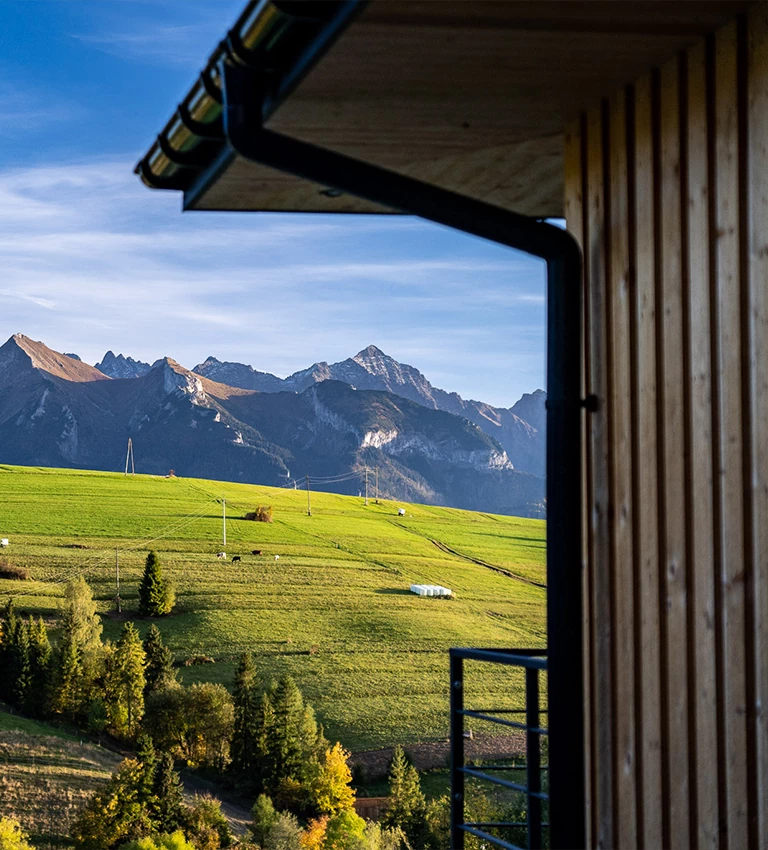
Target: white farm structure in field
x=430 y=590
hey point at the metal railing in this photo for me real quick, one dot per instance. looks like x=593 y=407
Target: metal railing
x=532 y=661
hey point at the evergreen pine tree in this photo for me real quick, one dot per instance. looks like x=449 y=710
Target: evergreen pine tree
x=264 y=819
x=265 y=772
x=153 y=595
x=147 y=757
x=67 y=690
x=167 y=803
x=124 y=687
x=8 y=634
x=159 y=673
x=407 y=805
x=40 y=659
x=286 y=749
x=246 y=706
x=20 y=672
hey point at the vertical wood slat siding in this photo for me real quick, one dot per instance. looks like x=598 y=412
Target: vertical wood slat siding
x=757 y=147
x=672 y=491
x=667 y=191
x=574 y=211
x=599 y=540
x=704 y=697
x=728 y=417
x=646 y=489
x=619 y=406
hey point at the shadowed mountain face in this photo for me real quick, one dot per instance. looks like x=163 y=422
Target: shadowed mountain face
x=122 y=367
x=56 y=411
x=520 y=429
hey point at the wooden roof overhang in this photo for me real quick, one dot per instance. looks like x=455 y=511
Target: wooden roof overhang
x=467 y=95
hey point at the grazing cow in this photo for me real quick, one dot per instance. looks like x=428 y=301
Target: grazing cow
x=221 y=555
x=277 y=557
x=256 y=552
x=235 y=558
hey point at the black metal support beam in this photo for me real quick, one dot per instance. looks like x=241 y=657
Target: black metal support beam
x=457 y=751
x=244 y=91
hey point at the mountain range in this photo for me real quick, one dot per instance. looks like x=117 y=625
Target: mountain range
x=228 y=421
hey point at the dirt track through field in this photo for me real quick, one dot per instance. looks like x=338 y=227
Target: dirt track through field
x=447 y=549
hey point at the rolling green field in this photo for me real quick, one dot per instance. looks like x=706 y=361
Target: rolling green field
x=334 y=611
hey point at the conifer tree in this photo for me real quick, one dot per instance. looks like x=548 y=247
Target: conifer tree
x=19 y=669
x=8 y=634
x=40 y=658
x=147 y=757
x=407 y=805
x=264 y=819
x=167 y=804
x=246 y=706
x=159 y=672
x=265 y=768
x=286 y=750
x=154 y=598
x=67 y=691
x=124 y=687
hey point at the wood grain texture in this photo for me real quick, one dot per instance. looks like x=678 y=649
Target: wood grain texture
x=600 y=548
x=674 y=218
x=574 y=202
x=672 y=456
x=729 y=436
x=699 y=423
x=758 y=379
x=619 y=411
x=645 y=475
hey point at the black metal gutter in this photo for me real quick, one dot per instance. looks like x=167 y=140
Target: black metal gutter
x=246 y=135
x=284 y=39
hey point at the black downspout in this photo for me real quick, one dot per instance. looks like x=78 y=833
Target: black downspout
x=243 y=88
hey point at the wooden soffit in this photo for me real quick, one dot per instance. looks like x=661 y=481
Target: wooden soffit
x=470 y=95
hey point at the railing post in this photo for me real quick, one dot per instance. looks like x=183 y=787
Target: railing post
x=533 y=757
x=457 y=751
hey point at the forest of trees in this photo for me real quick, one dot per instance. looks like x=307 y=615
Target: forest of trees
x=262 y=739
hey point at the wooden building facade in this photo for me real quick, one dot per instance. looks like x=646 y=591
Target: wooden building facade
x=666 y=189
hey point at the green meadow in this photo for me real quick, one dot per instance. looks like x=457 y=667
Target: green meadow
x=334 y=610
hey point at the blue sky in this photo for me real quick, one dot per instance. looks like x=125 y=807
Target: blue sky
x=90 y=259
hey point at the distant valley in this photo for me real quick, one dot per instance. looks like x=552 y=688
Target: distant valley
x=229 y=421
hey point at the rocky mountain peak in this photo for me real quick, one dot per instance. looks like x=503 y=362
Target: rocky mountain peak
x=20 y=351
x=119 y=366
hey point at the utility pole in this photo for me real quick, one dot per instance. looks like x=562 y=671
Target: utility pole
x=309 y=506
x=377 y=485
x=118 y=600
x=366 y=486
x=224 y=521
x=129 y=456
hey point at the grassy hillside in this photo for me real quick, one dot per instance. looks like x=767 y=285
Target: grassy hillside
x=334 y=610
x=46 y=776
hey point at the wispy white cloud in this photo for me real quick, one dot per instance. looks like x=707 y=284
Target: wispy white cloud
x=93 y=260
x=27 y=110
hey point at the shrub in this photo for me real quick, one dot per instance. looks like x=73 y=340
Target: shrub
x=206 y=826
x=261 y=514
x=11 y=571
x=198 y=659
